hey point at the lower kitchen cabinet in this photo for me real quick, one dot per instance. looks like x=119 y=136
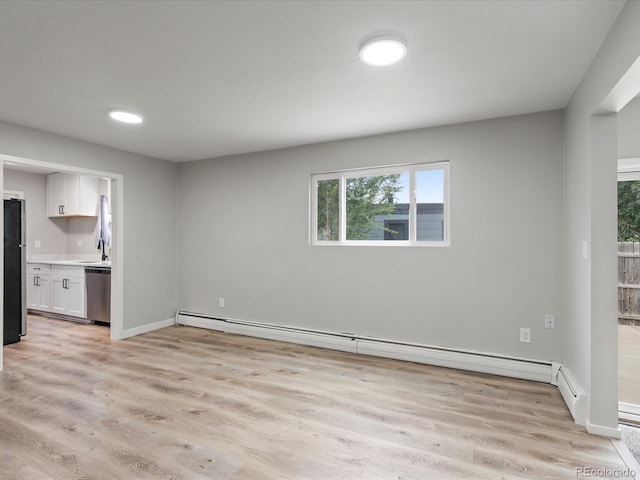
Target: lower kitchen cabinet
x=57 y=289
x=68 y=291
x=39 y=292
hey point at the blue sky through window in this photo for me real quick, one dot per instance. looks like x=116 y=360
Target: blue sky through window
x=429 y=187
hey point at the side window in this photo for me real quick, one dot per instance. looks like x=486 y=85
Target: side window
x=404 y=205
x=328 y=209
x=430 y=205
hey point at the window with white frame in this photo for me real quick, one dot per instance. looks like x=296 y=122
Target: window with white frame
x=401 y=205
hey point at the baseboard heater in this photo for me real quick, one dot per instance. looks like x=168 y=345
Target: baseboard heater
x=572 y=395
x=538 y=371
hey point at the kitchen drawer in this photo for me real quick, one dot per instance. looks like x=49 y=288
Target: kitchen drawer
x=39 y=268
x=67 y=271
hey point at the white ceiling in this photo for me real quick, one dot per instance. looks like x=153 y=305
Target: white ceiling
x=214 y=78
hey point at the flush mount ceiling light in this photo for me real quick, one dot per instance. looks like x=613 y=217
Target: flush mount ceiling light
x=383 y=50
x=125 y=117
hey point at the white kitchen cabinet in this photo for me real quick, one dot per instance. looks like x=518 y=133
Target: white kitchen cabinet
x=68 y=291
x=77 y=297
x=39 y=292
x=71 y=195
x=56 y=194
x=33 y=294
x=39 y=287
x=59 y=295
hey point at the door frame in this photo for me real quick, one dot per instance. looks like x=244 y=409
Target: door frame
x=117 y=251
x=603 y=295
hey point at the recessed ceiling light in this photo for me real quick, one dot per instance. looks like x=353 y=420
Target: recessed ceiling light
x=382 y=50
x=125 y=117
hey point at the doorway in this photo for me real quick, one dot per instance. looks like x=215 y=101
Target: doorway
x=629 y=263
x=629 y=289
x=116 y=180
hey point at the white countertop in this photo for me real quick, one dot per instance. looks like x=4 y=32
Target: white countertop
x=74 y=263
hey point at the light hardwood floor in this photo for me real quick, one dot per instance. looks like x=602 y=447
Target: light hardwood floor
x=186 y=403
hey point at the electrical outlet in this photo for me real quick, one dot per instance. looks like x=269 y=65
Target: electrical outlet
x=525 y=335
x=80 y=242
x=549 y=321
x=221 y=302
x=36 y=244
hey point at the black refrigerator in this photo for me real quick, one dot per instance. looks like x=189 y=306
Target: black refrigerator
x=15 y=295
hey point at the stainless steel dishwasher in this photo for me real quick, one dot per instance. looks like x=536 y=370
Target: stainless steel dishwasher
x=98 y=280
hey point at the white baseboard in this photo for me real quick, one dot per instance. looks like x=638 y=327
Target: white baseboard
x=604 y=431
x=131 y=332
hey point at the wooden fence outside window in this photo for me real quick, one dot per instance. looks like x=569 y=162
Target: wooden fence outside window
x=629 y=283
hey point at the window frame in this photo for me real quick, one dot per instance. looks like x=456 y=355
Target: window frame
x=411 y=169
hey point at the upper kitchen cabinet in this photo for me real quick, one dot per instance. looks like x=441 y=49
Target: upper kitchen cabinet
x=70 y=195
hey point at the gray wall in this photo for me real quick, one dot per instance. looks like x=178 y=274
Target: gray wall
x=149 y=214
x=502 y=271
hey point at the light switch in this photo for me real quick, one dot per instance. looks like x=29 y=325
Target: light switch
x=36 y=244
